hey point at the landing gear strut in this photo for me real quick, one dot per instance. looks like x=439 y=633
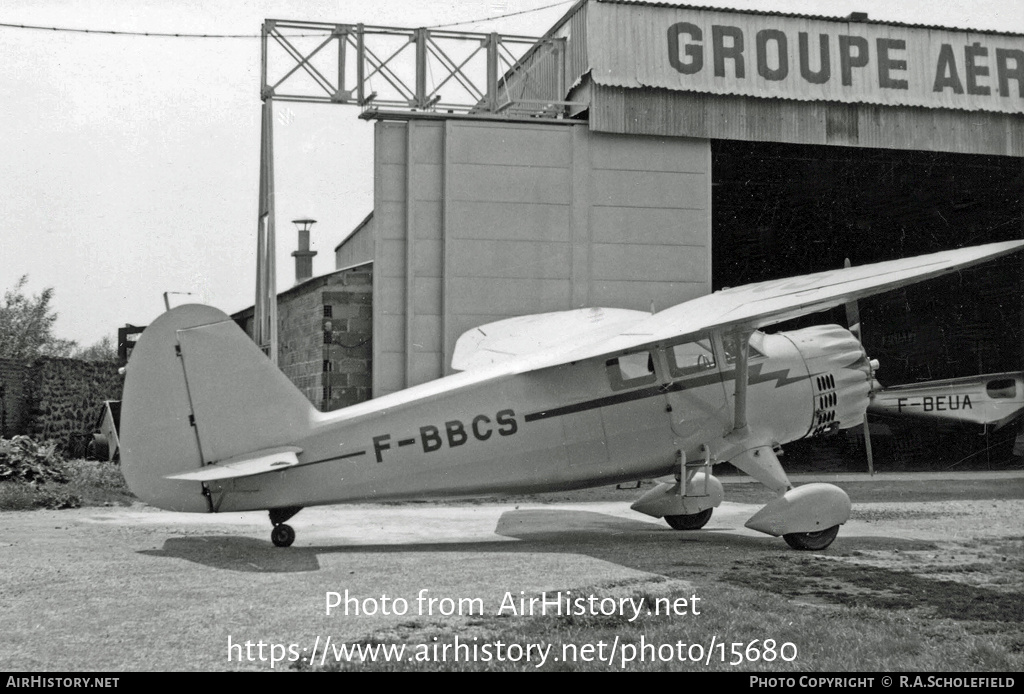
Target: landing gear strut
x=282 y=535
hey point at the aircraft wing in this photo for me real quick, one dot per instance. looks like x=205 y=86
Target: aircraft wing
x=502 y=340
x=757 y=305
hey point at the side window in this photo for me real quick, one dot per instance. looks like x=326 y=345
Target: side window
x=631 y=370
x=732 y=350
x=1003 y=388
x=690 y=358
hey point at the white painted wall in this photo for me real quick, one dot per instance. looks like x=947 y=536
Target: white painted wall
x=499 y=219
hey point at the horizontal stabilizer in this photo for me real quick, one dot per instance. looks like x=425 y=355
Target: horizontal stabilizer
x=245 y=465
x=989 y=399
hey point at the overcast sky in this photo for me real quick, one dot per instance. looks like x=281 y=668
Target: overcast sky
x=129 y=166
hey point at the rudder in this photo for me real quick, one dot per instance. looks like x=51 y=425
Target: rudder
x=198 y=391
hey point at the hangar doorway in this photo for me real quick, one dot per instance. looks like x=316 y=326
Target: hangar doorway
x=783 y=209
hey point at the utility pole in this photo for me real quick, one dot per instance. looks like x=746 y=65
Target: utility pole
x=264 y=329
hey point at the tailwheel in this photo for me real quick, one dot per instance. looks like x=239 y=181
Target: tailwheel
x=282 y=535
x=691 y=521
x=812 y=541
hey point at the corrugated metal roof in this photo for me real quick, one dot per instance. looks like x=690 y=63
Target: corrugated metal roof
x=667 y=112
x=653 y=88
x=623 y=44
x=563 y=19
x=366 y=220
x=627 y=48
x=770 y=13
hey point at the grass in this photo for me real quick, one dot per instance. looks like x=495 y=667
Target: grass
x=839 y=613
x=824 y=637
x=89 y=483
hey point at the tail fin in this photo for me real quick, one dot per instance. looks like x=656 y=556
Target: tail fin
x=197 y=390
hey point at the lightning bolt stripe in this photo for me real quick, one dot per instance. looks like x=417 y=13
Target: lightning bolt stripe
x=754 y=377
x=781 y=377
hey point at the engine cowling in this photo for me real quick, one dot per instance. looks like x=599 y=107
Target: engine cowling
x=840 y=374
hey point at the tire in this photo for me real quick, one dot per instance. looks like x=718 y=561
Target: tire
x=692 y=521
x=812 y=542
x=282 y=535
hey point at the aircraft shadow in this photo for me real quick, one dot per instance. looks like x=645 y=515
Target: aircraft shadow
x=630 y=543
x=233 y=553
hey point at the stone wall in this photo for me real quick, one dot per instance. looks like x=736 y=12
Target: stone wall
x=13 y=417
x=55 y=398
x=64 y=396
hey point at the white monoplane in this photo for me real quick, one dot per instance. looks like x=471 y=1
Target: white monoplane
x=541 y=403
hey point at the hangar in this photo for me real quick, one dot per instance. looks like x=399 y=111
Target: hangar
x=644 y=153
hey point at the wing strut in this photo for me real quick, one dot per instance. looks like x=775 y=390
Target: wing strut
x=739 y=420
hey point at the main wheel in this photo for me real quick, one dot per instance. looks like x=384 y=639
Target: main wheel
x=692 y=521
x=812 y=541
x=282 y=535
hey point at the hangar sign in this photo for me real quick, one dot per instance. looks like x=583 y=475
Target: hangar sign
x=807 y=59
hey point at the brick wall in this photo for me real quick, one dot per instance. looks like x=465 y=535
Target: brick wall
x=300 y=341
x=325 y=330
x=348 y=338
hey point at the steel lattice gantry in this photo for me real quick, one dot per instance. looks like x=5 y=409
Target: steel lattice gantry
x=394 y=68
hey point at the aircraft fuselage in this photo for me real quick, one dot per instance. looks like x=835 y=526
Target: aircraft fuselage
x=583 y=424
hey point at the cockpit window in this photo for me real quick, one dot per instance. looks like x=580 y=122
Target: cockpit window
x=1002 y=388
x=690 y=358
x=631 y=370
x=732 y=349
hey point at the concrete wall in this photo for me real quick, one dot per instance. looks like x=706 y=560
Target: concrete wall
x=475 y=221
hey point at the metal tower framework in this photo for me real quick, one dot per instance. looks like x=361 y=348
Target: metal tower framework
x=374 y=67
